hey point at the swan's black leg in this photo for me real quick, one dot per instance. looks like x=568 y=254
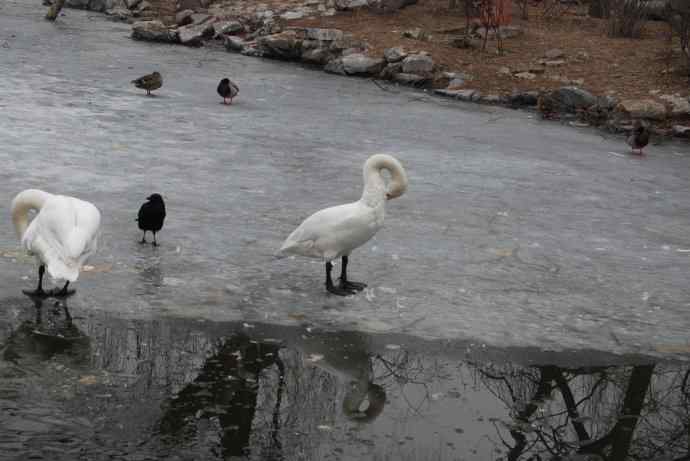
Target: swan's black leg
x=143 y=239
x=332 y=288
x=39 y=289
x=345 y=283
x=154 y=240
x=64 y=292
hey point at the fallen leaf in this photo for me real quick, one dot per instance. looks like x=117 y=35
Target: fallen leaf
x=97 y=268
x=88 y=380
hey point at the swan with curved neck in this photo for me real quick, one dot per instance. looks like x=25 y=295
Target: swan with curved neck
x=61 y=236
x=334 y=232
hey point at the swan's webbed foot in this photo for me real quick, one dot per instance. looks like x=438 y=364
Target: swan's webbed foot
x=339 y=290
x=353 y=286
x=336 y=290
x=62 y=292
x=37 y=293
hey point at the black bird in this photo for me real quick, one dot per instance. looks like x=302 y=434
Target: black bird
x=151 y=216
x=639 y=137
x=227 y=89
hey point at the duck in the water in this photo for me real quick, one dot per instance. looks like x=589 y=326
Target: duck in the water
x=149 y=82
x=227 y=89
x=334 y=232
x=639 y=138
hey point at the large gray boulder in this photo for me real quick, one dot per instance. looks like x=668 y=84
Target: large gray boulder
x=284 y=45
x=195 y=34
x=153 y=31
x=420 y=64
x=361 y=64
x=642 y=108
x=570 y=99
x=389 y=6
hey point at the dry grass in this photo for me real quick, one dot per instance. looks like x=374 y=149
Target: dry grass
x=625 y=68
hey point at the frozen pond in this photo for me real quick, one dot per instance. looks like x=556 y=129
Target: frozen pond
x=515 y=238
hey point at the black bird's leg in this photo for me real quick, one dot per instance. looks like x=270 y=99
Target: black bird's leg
x=64 y=292
x=154 y=240
x=143 y=239
x=148 y=92
x=39 y=289
x=345 y=283
x=332 y=288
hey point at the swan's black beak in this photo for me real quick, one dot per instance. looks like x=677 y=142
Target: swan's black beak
x=149 y=197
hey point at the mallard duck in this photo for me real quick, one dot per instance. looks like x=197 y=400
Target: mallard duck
x=227 y=89
x=639 y=137
x=149 y=82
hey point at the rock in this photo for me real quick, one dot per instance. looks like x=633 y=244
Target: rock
x=536 y=69
x=234 y=43
x=526 y=75
x=389 y=6
x=464 y=42
x=184 y=17
x=679 y=106
x=410 y=79
x=227 y=28
x=81 y=4
x=554 y=53
x=288 y=15
x=642 y=108
x=492 y=99
x=505 y=31
x=200 y=18
x=142 y=6
x=505 y=71
x=329 y=12
x=681 y=131
x=194 y=34
x=554 y=63
x=583 y=56
x=121 y=14
x=525 y=98
x=131 y=4
x=418 y=64
x=389 y=72
x=323 y=35
x=316 y=55
x=335 y=66
x=189 y=5
x=251 y=50
x=361 y=64
x=394 y=54
x=462 y=95
x=345 y=5
x=415 y=34
x=570 y=99
x=284 y=45
x=455 y=83
x=153 y=31
x=99 y=5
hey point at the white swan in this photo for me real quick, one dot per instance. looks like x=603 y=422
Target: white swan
x=62 y=235
x=334 y=232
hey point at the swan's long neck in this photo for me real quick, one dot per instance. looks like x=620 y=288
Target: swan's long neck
x=30 y=199
x=374 y=193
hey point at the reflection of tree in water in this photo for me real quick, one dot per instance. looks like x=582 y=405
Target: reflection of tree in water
x=226 y=391
x=605 y=412
x=268 y=401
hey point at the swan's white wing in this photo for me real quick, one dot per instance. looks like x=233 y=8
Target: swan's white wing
x=63 y=235
x=334 y=232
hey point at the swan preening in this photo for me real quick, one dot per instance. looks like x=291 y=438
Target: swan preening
x=334 y=232
x=61 y=236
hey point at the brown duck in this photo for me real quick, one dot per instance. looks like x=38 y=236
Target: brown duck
x=149 y=82
x=227 y=89
x=639 y=138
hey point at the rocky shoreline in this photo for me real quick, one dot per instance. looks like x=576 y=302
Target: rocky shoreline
x=256 y=30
